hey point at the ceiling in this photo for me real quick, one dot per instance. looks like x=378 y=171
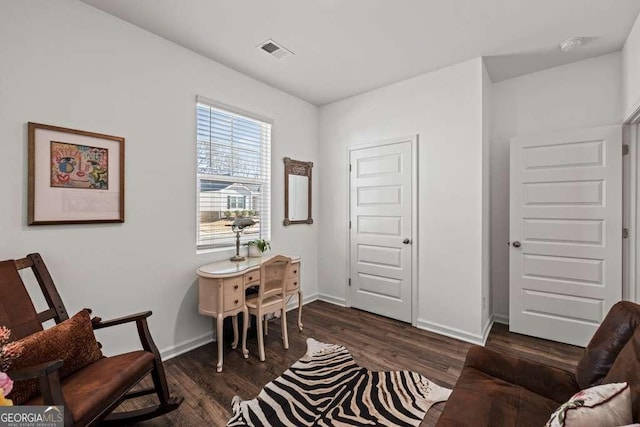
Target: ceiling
x=346 y=47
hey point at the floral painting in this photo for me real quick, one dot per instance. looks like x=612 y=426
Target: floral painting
x=79 y=166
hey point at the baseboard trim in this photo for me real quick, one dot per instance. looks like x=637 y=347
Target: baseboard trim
x=185 y=346
x=503 y=319
x=487 y=330
x=453 y=332
x=306 y=299
x=332 y=300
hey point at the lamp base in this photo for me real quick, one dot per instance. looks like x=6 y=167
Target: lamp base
x=237 y=258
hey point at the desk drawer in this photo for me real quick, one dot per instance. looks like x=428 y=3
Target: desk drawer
x=252 y=277
x=295 y=271
x=293 y=281
x=233 y=293
x=293 y=284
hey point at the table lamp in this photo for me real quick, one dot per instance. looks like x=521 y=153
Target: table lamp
x=237 y=227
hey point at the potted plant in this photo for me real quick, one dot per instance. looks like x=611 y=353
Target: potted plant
x=257 y=247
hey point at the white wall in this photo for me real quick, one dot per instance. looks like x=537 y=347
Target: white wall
x=486 y=199
x=445 y=108
x=578 y=95
x=67 y=64
x=631 y=71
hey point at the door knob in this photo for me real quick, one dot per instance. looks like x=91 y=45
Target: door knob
x=516 y=244
x=406 y=241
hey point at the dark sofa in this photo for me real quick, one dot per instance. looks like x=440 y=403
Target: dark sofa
x=500 y=390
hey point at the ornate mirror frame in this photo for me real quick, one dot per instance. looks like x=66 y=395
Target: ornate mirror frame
x=296 y=167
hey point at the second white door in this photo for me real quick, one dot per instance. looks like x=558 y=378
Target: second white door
x=566 y=232
x=381 y=191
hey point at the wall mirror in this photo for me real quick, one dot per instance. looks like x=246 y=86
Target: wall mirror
x=297 y=192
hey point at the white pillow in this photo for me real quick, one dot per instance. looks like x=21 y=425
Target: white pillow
x=604 y=405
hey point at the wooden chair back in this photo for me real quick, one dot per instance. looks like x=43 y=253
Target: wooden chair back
x=17 y=311
x=273 y=277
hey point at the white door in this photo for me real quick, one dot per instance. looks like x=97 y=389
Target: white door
x=381 y=226
x=565 y=232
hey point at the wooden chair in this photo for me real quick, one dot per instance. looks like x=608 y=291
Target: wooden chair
x=293 y=289
x=121 y=373
x=271 y=298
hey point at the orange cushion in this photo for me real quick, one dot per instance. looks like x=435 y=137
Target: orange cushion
x=72 y=341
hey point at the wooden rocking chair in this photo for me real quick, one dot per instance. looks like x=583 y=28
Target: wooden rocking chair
x=85 y=405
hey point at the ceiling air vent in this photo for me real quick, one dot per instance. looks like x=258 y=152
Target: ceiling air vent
x=275 y=49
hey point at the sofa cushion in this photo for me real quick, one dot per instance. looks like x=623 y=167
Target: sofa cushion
x=87 y=390
x=612 y=335
x=626 y=368
x=72 y=341
x=604 y=405
x=481 y=399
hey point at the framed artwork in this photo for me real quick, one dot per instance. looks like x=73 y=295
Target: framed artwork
x=75 y=177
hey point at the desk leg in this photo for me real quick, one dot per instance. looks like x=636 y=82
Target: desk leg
x=219 y=324
x=259 y=320
x=234 y=321
x=300 y=309
x=283 y=323
x=245 y=321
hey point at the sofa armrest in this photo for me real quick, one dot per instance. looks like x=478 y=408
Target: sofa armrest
x=545 y=380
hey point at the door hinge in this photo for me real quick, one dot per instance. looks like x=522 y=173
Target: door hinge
x=349 y=225
x=349 y=281
x=625 y=233
x=625 y=149
x=349 y=167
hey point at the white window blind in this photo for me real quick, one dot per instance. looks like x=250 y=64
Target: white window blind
x=234 y=179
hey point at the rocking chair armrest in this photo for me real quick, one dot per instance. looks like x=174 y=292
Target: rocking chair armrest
x=141 y=324
x=50 y=387
x=98 y=323
x=35 y=371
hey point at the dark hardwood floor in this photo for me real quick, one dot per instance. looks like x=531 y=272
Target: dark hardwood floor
x=375 y=342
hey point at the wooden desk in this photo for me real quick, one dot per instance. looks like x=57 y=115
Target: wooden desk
x=222 y=293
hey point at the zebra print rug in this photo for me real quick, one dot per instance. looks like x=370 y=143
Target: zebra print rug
x=327 y=388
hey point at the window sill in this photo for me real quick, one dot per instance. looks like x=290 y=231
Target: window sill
x=231 y=249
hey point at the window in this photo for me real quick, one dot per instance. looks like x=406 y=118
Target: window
x=233 y=167
x=236 y=202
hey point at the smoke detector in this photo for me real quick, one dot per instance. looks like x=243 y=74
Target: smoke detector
x=570 y=44
x=275 y=49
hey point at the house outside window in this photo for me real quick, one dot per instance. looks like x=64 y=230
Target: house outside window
x=233 y=174
x=236 y=202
